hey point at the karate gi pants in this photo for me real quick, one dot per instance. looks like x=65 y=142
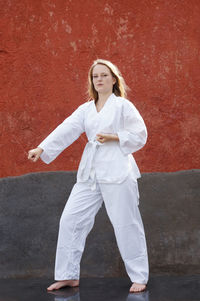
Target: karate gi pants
x=121 y=203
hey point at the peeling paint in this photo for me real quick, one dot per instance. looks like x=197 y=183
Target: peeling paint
x=32 y=18
x=73 y=44
x=68 y=28
x=108 y=9
x=55 y=26
x=47 y=48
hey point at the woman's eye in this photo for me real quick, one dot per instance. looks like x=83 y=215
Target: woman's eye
x=102 y=75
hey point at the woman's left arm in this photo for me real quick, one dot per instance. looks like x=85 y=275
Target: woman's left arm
x=133 y=136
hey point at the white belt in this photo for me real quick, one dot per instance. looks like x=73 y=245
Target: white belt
x=87 y=170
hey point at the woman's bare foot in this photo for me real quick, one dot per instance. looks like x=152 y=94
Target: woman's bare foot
x=62 y=283
x=137 y=287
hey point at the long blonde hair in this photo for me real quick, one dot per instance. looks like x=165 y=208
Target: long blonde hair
x=119 y=88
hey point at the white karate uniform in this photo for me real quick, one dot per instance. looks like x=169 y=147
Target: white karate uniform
x=107 y=172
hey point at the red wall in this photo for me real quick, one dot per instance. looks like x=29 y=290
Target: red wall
x=47 y=48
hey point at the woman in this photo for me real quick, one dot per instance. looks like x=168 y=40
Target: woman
x=107 y=172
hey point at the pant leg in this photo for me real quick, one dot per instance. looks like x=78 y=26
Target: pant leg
x=121 y=202
x=76 y=222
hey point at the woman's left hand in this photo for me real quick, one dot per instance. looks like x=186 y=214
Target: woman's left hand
x=107 y=137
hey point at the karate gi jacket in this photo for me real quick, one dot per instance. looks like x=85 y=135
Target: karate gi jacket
x=108 y=162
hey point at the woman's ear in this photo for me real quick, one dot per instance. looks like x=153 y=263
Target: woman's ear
x=114 y=80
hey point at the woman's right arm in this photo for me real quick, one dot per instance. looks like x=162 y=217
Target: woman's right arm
x=63 y=136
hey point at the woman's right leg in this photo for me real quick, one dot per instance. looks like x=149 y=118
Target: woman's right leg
x=76 y=222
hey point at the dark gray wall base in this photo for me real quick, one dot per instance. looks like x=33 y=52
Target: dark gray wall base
x=30 y=209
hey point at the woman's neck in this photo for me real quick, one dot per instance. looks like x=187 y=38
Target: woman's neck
x=103 y=97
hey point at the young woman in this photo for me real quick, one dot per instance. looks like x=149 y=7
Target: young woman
x=107 y=172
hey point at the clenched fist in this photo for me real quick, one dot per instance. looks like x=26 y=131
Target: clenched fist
x=34 y=154
x=106 y=137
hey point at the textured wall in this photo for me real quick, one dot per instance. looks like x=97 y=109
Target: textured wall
x=30 y=209
x=47 y=48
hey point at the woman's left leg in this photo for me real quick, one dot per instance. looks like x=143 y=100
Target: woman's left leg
x=121 y=202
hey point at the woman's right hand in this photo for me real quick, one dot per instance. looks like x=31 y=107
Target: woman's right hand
x=34 y=154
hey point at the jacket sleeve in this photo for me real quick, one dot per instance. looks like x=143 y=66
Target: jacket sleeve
x=133 y=136
x=63 y=136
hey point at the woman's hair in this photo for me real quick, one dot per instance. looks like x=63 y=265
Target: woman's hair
x=119 y=88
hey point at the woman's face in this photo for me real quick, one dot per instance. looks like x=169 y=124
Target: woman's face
x=102 y=79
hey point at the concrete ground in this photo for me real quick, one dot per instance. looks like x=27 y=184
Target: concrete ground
x=160 y=288
x=30 y=209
